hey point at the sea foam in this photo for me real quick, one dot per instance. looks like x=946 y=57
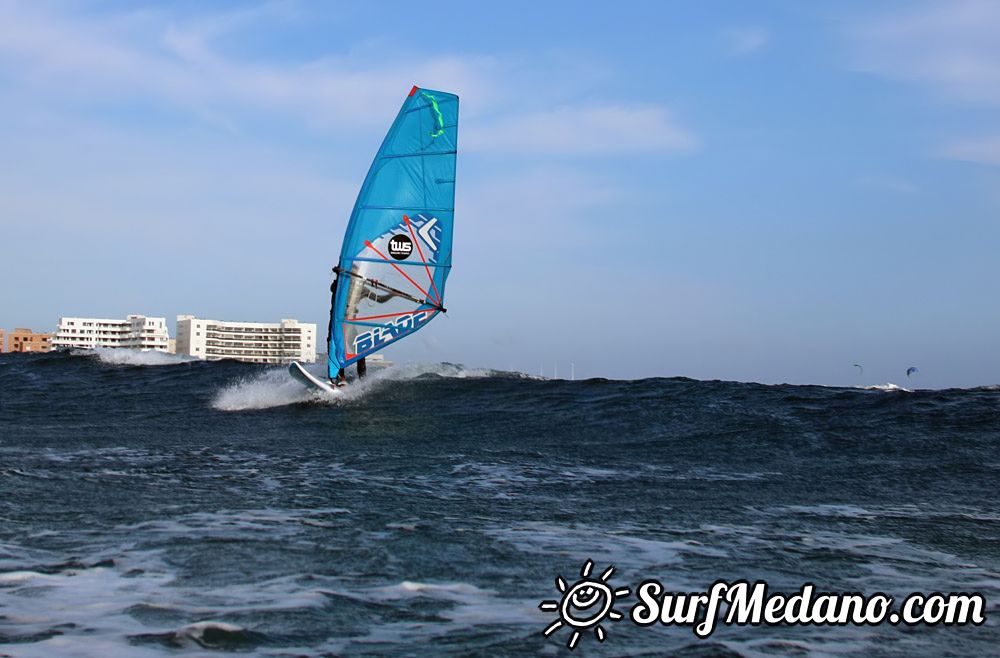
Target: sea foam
x=271 y=388
x=275 y=387
x=126 y=356
x=888 y=387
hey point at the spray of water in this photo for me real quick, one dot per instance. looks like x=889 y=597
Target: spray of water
x=275 y=387
x=123 y=356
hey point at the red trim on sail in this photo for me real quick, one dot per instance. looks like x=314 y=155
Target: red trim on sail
x=382 y=256
x=347 y=355
x=412 y=91
x=420 y=251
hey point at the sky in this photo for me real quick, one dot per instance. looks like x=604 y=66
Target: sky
x=756 y=191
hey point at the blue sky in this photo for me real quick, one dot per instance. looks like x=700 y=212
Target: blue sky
x=766 y=191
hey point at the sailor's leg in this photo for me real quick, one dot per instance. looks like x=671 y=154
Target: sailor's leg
x=341 y=378
x=362 y=368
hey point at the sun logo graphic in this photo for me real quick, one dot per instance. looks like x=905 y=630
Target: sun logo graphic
x=584 y=605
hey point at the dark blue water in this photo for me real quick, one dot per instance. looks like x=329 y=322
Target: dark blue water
x=155 y=508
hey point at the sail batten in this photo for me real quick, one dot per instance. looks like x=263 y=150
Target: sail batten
x=419 y=155
x=409 y=207
x=415 y=263
x=396 y=254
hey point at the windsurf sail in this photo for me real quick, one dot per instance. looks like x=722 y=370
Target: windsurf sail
x=396 y=254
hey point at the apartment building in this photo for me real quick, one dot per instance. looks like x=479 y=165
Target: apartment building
x=26 y=340
x=135 y=331
x=256 y=342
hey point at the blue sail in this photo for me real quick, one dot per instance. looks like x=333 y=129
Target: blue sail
x=396 y=254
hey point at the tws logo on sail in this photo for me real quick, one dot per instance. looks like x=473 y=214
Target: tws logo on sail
x=400 y=246
x=389 y=332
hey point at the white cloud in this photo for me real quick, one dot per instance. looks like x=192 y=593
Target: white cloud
x=594 y=129
x=146 y=55
x=951 y=48
x=740 y=41
x=984 y=150
x=149 y=56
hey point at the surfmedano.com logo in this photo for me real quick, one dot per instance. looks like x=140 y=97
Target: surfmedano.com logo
x=588 y=602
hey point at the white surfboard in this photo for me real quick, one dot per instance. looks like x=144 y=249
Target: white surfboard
x=299 y=373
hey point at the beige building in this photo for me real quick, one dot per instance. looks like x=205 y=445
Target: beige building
x=257 y=342
x=26 y=340
x=3 y=342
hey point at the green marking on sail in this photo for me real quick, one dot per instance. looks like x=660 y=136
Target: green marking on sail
x=437 y=114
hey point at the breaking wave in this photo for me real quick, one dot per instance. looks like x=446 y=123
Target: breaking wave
x=205 y=635
x=125 y=356
x=889 y=386
x=275 y=387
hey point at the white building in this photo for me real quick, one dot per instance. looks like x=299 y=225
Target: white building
x=135 y=331
x=258 y=342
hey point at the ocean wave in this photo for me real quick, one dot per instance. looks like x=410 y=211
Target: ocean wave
x=141 y=598
x=11 y=578
x=275 y=387
x=75 y=611
x=444 y=591
x=205 y=635
x=242 y=524
x=126 y=356
x=26 y=366
x=465 y=606
x=620 y=547
x=889 y=387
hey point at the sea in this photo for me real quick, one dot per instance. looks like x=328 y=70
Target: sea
x=155 y=507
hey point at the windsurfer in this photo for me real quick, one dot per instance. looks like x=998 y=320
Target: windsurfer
x=403 y=216
x=361 y=292
x=341 y=379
